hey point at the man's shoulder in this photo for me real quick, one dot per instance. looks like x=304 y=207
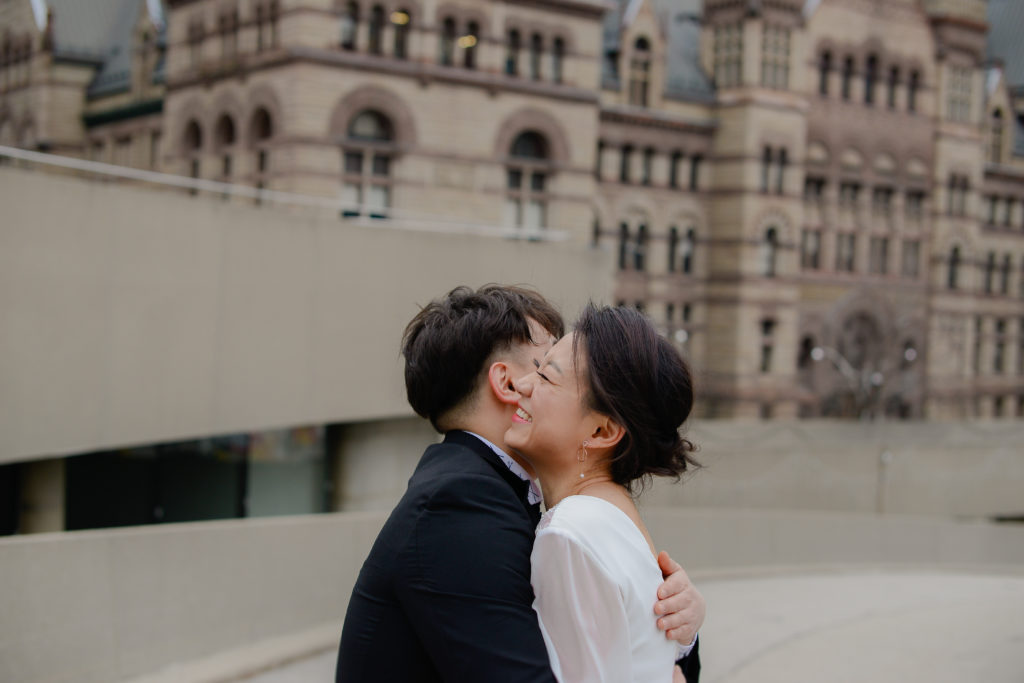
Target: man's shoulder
x=456 y=469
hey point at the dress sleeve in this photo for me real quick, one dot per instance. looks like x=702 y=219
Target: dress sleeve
x=582 y=613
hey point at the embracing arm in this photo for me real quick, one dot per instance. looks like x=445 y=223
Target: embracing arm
x=468 y=593
x=684 y=609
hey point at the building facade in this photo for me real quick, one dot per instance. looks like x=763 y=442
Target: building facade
x=820 y=201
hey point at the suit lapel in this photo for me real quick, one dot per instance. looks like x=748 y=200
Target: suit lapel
x=520 y=487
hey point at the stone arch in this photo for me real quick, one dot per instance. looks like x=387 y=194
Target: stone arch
x=191 y=111
x=377 y=99
x=262 y=97
x=536 y=120
x=775 y=218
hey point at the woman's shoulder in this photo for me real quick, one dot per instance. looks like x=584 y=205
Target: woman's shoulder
x=586 y=519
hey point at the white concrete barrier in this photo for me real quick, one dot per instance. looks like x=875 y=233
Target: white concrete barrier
x=121 y=604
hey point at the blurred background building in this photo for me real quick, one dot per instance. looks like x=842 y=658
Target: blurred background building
x=820 y=201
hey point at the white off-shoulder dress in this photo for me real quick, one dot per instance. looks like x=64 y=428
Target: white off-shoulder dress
x=595 y=583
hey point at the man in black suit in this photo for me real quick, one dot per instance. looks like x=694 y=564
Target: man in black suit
x=445 y=593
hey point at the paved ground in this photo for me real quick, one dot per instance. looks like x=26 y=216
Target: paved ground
x=892 y=627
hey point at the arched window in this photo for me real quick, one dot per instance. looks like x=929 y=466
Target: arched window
x=686 y=252
x=894 y=84
x=348 y=26
x=536 y=50
x=512 y=55
x=847 y=77
x=447 y=54
x=870 y=79
x=528 y=170
x=366 y=165
x=640 y=73
x=990 y=269
x=769 y=252
x=824 y=71
x=192 y=144
x=224 y=142
x=1004 y=280
x=557 y=59
x=995 y=154
x=261 y=129
x=953 y=272
x=640 y=250
x=912 y=88
x=468 y=43
x=401 y=20
x=805 y=356
x=376 y=43
x=625 y=246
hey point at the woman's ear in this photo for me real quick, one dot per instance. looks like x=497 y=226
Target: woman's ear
x=499 y=376
x=606 y=432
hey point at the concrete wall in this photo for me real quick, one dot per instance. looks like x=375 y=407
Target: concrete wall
x=134 y=316
x=119 y=604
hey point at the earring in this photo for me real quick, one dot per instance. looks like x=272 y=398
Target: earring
x=581 y=456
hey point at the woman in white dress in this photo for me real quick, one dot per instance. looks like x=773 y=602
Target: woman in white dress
x=600 y=415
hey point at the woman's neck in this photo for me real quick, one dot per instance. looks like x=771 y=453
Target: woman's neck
x=559 y=484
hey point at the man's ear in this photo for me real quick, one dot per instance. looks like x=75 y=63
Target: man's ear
x=605 y=432
x=499 y=376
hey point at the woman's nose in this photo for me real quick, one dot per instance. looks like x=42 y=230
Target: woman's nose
x=523 y=385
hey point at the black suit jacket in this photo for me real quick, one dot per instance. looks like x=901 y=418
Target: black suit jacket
x=445 y=593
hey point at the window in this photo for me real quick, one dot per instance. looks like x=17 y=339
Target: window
x=976 y=356
x=1008 y=211
x=953 y=269
x=849 y=197
x=348 y=26
x=894 y=84
x=376 y=37
x=870 y=79
x=810 y=250
x=959 y=102
x=767 y=344
x=993 y=204
x=959 y=186
x=999 y=351
x=536 y=50
x=824 y=72
x=673 y=169
x=261 y=129
x=775 y=57
x=847 y=77
x=645 y=178
x=881 y=204
x=680 y=252
x=780 y=179
x=228 y=24
x=995 y=153
x=193 y=144
x=224 y=142
x=846 y=251
x=912 y=88
x=557 y=59
x=911 y=258
x=769 y=252
x=695 y=171
x=639 y=73
x=640 y=251
x=914 y=206
x=990 y=268
x=401 y=20
x=447 y=53
x=1004 y=278
x=512 y=53
x=468 y=43
x=528 y=170
x=366 y=165
x=878 y=255
x=625 y=246
x=624 y=163
x=728 y=55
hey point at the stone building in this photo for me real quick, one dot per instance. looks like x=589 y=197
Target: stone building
x=822 y=201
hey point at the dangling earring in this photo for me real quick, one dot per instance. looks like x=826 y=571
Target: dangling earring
x=581 y=456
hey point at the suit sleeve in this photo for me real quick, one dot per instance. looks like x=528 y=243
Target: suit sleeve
x=468 y=593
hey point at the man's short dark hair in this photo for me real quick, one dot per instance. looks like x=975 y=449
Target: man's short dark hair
x=448 y=343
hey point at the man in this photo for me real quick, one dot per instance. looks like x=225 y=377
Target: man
x=445 y=593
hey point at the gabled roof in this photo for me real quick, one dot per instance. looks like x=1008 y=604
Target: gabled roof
x=684 y=79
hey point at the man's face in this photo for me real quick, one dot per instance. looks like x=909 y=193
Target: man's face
x=523 y=357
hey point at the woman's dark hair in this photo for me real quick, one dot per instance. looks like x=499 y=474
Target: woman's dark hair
x=448 y=342
x=637 y=378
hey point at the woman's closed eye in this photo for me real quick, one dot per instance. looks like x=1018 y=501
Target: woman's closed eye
x=540 y=374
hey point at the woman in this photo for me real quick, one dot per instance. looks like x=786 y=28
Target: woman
x=601 y=413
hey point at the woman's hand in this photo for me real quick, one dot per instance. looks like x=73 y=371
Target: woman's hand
x=681 y=608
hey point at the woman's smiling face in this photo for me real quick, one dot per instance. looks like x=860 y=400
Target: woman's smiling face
x=551 y=420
